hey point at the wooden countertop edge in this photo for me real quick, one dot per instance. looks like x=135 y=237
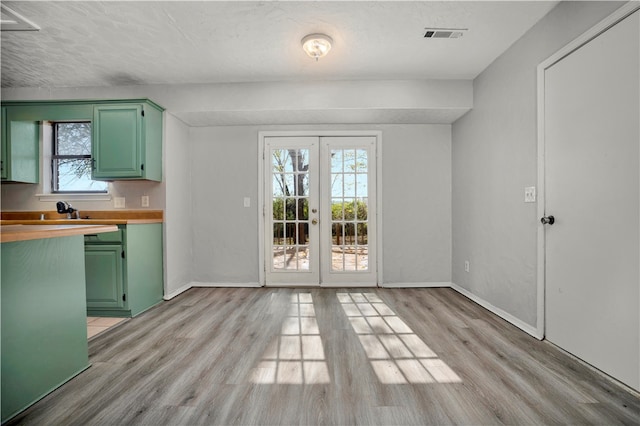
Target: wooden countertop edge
x=12 y=233
x=92 y=214
x=80 y=221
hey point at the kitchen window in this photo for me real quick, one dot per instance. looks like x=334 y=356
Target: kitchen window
x=71 y=162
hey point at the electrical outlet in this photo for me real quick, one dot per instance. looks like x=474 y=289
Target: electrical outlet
x=466 y=266
x=530 y=194
x=144 y=201
x=118 y=202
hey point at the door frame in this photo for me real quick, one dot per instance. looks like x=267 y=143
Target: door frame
x=261 y=189
x=620 y=14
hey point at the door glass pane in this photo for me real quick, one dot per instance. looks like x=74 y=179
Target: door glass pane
x=361 y=185
x=291 y=258
x=303 y=233
x=362 y=255
x=349 y=158
x=336 y=161
x=290 y=208
x=336 y=185
x=278 y=257
x=336 y=209
x=290 y=203
x=277 y=185
x=278 y=233
x=278 y=208
x=349 y=210
x=349 y=184
x=362 y=209
x=281 y=161
x=303 y=258
x=299 y=159
x=361 y=161
x=303 y=209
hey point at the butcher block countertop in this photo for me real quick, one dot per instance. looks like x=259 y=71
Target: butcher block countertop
x=11 y=233
x=87 y=217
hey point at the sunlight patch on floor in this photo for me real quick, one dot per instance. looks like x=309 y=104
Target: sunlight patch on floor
x=397 y=355
x=296 y=356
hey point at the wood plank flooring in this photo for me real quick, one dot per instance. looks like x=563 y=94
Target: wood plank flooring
x=325 y=356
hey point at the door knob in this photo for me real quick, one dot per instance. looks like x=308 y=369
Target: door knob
x=548 y=220
x=314 y=221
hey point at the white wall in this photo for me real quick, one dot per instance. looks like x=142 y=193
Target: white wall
x=224 y=164
x=178 y=241
x=210 y=237
x=370 y=101
x=416 y=191
x=495 y=158
x=21 y=197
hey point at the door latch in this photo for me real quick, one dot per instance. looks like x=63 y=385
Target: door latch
x=548 y=220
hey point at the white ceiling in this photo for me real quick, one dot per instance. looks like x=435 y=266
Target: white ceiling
x=108 y=43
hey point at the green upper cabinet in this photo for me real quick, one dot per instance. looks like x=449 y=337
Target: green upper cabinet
x=20 y=149
x=127 y=141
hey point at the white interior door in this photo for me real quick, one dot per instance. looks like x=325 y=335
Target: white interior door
x=592 y=189
x=320 y=211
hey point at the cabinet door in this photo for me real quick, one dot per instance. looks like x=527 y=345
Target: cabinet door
x=103 y=269
x=20 y=149
x=3 y=137
x=117 y=148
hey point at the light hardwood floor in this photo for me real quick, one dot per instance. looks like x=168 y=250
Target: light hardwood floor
x=324 y=356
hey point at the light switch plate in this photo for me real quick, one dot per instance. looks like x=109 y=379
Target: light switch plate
x=118 y=202
x=530 y=194
x=247 y=202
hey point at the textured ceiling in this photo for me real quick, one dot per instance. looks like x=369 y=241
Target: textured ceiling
x=97 y=43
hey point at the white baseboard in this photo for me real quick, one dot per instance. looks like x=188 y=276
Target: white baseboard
x=180 y=290
x=416 y=285
x=238 y=285
x=533 y=331
x=348 y=285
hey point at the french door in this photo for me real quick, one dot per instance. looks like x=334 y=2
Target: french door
x=320 y=216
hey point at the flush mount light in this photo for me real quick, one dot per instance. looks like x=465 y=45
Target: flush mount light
x=316 y=45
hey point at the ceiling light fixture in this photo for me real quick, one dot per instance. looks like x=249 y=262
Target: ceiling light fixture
x=316 y=45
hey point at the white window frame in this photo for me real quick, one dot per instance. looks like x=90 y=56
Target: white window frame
x=46 y=148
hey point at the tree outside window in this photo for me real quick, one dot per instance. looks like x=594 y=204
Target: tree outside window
x=71 y=160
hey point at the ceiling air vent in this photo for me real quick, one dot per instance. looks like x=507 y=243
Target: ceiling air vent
x=444 y=32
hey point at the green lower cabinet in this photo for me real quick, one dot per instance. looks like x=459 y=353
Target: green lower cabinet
x=124 y=280
x=104 y=277
x=3 y=141
x=44 y=321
